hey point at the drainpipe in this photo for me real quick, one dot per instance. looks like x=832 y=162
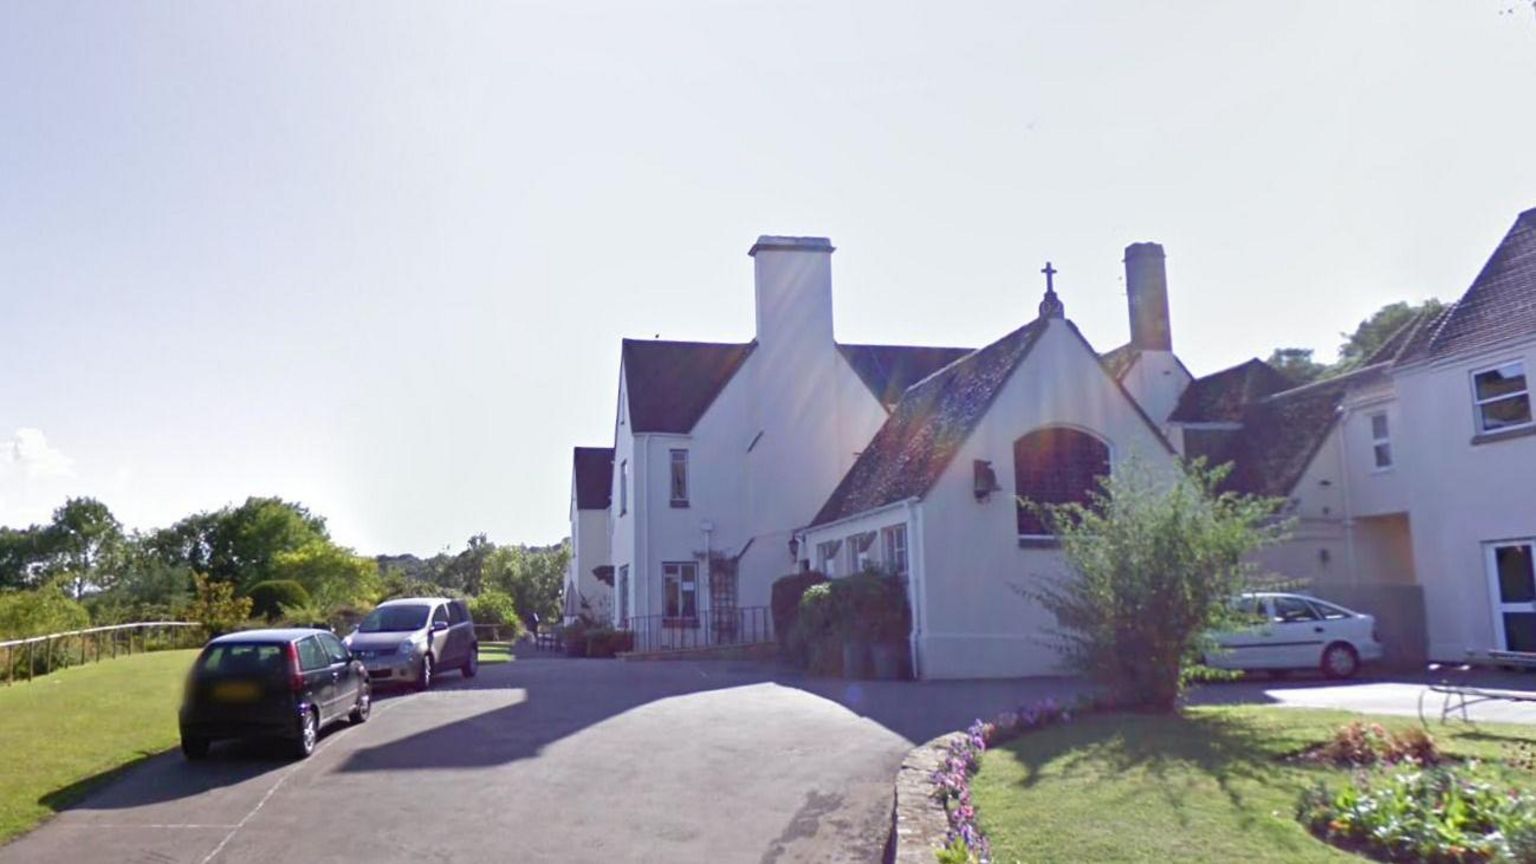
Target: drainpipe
x=1344 y=482
x=708 y=528
x=915 y=587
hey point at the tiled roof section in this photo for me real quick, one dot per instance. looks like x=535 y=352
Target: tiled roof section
x=929 y=425
x=1500 y=305
x=1281 y=434
x=593 y=467
x=672 y=384
x=1391 y=349
x=1118 y=361
x=888 y=370
x=1220 y=396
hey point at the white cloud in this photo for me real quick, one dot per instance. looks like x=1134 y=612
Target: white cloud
x=28 y=454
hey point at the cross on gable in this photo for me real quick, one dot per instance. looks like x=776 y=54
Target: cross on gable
x=1050 y=305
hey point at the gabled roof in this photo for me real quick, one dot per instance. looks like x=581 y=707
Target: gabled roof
x=593 y=471
x=1281 y=434
x=1118 y=361
x=1221 y=396
x=1500 y=305
x=927 y=428
x=671 y=384
x=888 y=370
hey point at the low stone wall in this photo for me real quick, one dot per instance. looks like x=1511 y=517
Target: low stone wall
x=765 y=652
x=919 y=823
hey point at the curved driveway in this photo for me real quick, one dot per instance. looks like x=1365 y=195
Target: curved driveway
x=548 y=759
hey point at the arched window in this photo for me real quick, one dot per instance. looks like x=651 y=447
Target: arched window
x=1055 y=465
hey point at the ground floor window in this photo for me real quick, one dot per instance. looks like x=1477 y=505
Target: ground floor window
x=894 y=538
x=680 y=583
x=621 y=588
x=859 y=551
x=1512 y=578
x=826 y=557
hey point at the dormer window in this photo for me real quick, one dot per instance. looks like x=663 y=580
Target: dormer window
x=1502 y=397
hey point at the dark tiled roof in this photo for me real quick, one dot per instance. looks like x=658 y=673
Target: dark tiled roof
x=1281 y=434
x=672 y=384
x=1220 y=396
x=1500 y=305
x=928 y=426
x=1391 y=349
x=593 y=467
x=888 y=370
x=1119 y=360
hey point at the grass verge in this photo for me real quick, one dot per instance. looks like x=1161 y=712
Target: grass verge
x=64 y=733
x=1206 y=785
x=496 y=652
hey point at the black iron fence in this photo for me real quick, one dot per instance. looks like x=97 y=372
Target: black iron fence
x=749 y=625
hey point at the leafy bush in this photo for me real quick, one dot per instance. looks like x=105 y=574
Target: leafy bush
x=496 y=608
x=787 y=591
x=607 y=642
x=216 y=607
x=268 y=599
x=1153 y=563
x=39 y=612
x=866 y=607
x=574 y=637
x=1435 y=815
x=814 y=642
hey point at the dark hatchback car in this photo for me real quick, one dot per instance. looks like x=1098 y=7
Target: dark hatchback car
x=284 y=684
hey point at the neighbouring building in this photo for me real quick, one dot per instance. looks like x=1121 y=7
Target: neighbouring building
x=1410 y=478
x=589 y=582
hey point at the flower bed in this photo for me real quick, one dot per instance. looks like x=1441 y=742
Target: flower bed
x=1437 y=815
x=952 y=782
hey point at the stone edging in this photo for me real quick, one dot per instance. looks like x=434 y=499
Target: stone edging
x=919 y=823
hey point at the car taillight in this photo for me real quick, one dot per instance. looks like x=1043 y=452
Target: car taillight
x=295 y=675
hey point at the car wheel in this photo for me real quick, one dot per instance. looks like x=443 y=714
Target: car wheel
x=194 y=748
x=472 y=665
x=364 y=706
x=424 y=674
x=1340 y=660
x=309 y=734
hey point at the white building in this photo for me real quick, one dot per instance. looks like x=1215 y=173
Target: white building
x=1412 y=478
x=589 y=582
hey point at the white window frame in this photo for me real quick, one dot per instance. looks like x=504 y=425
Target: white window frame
x=893 y=542
x=1496 y=604
x=686 y=575
x=826 y=556
x=678 y=459
x=623 y=487
x=1478 y=403
x=1378 y=442
x=859 y=546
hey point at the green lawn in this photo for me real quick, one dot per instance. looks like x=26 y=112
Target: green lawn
x=1203 y=786
x=496 y=652
x=63 y=730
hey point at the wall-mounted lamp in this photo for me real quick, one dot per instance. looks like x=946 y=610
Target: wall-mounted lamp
x=794 y=548
x=984 y=479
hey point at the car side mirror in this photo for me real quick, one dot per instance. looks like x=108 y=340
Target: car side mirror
x=439 y=626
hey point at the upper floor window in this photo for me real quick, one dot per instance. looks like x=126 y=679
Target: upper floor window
x=1502 y=396
x=1381 y=441
x=895 y=539
x=1055 y=465
x=679 y=478
x=623 y=487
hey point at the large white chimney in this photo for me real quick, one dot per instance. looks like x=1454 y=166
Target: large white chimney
x=793 y=277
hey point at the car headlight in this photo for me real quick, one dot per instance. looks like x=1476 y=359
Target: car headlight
x=407 y=648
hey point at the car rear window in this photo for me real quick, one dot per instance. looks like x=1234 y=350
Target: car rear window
x=243 y=659
x=457 y=612
x=1331 y=612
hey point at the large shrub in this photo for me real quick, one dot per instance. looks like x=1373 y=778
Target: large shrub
x=787 y=591
x=39 y=612
x=496 y=608
x=1153 y=564
x=268 y=599
x=869 y=607
x=216 y=607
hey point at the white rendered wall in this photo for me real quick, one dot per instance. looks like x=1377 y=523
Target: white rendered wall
x=589 y=549
x=976 y=622
x=1157 y=379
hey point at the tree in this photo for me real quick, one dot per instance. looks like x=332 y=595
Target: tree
x=86 y=541
x=240 y=544
x=1297 y=365
x=332 y=575
x=466 y=570
x=216 y=607
x=25 y=554
x=534 y=576
x=1153 y=565
x=1374 y=331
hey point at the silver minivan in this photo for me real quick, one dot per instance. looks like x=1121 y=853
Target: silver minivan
x=410 y=640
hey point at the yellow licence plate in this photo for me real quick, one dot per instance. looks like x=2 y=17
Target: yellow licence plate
x=236 y=691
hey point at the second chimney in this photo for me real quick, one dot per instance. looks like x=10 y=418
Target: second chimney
x=1146 y=288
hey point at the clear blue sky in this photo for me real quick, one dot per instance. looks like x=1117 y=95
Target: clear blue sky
x=378 y=257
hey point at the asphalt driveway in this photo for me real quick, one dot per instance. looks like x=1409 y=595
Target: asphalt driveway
x=548 y=760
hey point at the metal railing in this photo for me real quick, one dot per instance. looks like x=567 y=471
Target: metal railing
x=748 y=625
x=56 y=651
